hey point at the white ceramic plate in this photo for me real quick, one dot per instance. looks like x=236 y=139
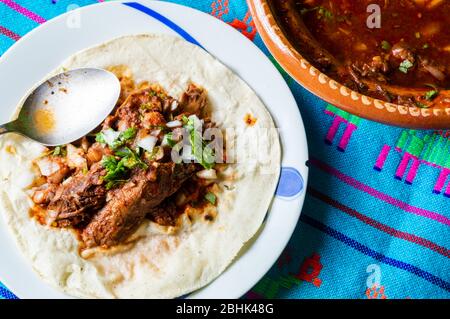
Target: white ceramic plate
x=43 y=49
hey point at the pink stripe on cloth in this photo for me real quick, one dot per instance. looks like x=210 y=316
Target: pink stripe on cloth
x=382 y=157
x=24 y=11
x=377 y=194
x=376 y=224
x=9 y=33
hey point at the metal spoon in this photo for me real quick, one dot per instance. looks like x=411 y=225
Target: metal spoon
x=66 y=107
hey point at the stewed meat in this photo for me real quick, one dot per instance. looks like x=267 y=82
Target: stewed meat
x=130 y=203
x=75 y=201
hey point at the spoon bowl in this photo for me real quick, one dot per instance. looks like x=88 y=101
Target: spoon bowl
x=67 y=106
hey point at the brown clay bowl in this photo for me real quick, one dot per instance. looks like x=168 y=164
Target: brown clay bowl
x=436 y=117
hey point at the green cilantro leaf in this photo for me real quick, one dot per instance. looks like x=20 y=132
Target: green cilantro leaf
x=59 y=151
x=405 y=66
x=146 y=106
x=168 y=139
x=117 y=170
x=185 y=119
x=421 y=105
x=431 y=95
x=128 y=134
x=100 y=137
x=210 y=197
x=208 y=157
x=130 y=159
x=386 y=46
x=109 y=162
x=203 y=154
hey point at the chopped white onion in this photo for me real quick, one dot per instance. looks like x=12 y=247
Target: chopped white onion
x=173 y=124
x=147 y=143
x=122 y=126
x=52 y=214
x=75 y=158
x=67 y=181
x=174 y=105
x=110 y=135
x=47 y=166
x=165 y=142
x=207 y=174
x=155 y=132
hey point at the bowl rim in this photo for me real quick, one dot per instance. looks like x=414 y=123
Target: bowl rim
x=333 y=92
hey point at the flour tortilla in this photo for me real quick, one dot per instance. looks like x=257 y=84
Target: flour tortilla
x=160 y=262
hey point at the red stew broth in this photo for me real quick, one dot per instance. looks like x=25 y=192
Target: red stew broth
x=340 y=26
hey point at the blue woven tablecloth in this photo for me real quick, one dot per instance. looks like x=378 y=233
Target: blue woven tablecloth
x=376 y=218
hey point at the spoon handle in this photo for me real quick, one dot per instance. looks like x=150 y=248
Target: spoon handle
x=5 y=128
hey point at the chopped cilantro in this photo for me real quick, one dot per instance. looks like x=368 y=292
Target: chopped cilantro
x=168 y=139
x=130 y=159
x=100 y=137
x=325 y=13
x=146 y=106
x=322 y=12
x=405 y=66
x=210 y=197
x=385 y=45
x=59 y=151
x=128 y=134
x=85 y=170
x=202 y=153
x=117 y=169
x=208 y=157
x=109 y=162
x=431 y=95
x=421 y=105
x=185 y=119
